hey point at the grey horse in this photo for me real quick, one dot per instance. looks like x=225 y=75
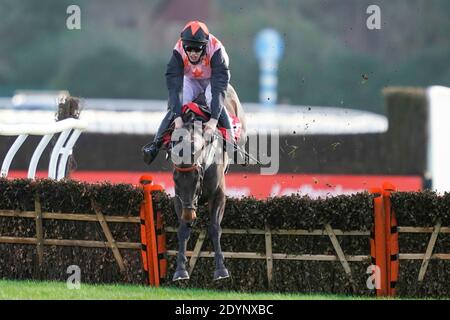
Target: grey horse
x=203 y=181
x=200 y=180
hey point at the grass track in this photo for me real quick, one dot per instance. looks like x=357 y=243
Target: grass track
x=25 y=290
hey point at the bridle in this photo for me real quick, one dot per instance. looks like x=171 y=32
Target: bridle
x=188 y=169
x=200 y=170
x=198 y=186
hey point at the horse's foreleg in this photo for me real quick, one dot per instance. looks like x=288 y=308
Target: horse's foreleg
x=183 y=234
x=217 y=208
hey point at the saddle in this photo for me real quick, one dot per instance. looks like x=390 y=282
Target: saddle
x=202 y=113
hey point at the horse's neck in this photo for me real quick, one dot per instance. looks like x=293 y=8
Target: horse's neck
x=234 y=107
x=231 y=101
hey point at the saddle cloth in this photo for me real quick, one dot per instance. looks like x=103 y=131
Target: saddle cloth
x=205 y=114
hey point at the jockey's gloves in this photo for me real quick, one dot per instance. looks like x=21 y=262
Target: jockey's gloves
x=178 y=123
x=211 y=126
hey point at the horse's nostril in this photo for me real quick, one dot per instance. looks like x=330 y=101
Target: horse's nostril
x=188 y=215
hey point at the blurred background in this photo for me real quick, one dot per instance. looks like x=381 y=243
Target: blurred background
x=330 y=59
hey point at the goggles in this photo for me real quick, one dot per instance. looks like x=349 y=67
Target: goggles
x=195 y=49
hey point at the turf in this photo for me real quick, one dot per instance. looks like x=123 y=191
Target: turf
x=31 y=290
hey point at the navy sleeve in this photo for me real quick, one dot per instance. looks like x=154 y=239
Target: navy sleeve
x=220 y=77
x=174 y=81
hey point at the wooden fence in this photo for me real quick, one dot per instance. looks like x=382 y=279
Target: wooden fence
x=39 y=241
x=269 y=255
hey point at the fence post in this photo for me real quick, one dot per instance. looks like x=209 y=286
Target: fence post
x=149 y=232
x=153 y=237
x=384 y=242
x=39 y=231
x=380 y=240
x=160 y=237
x=269 y=257
x=392 y=249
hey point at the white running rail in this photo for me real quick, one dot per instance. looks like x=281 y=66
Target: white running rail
x=70 y=130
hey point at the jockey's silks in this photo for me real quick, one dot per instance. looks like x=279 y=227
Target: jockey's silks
x=202 y=70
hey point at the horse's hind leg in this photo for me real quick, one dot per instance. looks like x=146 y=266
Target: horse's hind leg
x=184 y=232
x=217 y=208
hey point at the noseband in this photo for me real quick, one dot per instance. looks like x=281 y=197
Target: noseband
x=188 y=169
x=198 y=187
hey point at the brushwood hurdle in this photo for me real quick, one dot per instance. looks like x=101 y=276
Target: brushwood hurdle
x=385 y=255
x=385 y=251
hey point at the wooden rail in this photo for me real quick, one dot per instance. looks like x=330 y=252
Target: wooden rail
x=328 y=231
x=267 y=255
x=69 y=243
x=40 y=242
x=67 y=216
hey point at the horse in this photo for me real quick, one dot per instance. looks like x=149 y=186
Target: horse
x=201 y=180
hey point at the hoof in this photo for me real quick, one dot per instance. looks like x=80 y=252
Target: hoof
x=180 y=275
x=221 y=274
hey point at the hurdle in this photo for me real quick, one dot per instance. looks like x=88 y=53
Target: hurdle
x=69 y=131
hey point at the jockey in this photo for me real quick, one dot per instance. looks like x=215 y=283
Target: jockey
x=199 y=65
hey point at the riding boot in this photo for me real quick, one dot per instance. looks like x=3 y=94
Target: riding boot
x=150 y=151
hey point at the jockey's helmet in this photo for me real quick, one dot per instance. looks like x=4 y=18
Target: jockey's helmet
x=195 y=34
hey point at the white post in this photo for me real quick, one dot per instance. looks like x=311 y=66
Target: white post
x=11 y=153
x=53 y=165
x=37 y=155
x=65 y=153
x=438 y=168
